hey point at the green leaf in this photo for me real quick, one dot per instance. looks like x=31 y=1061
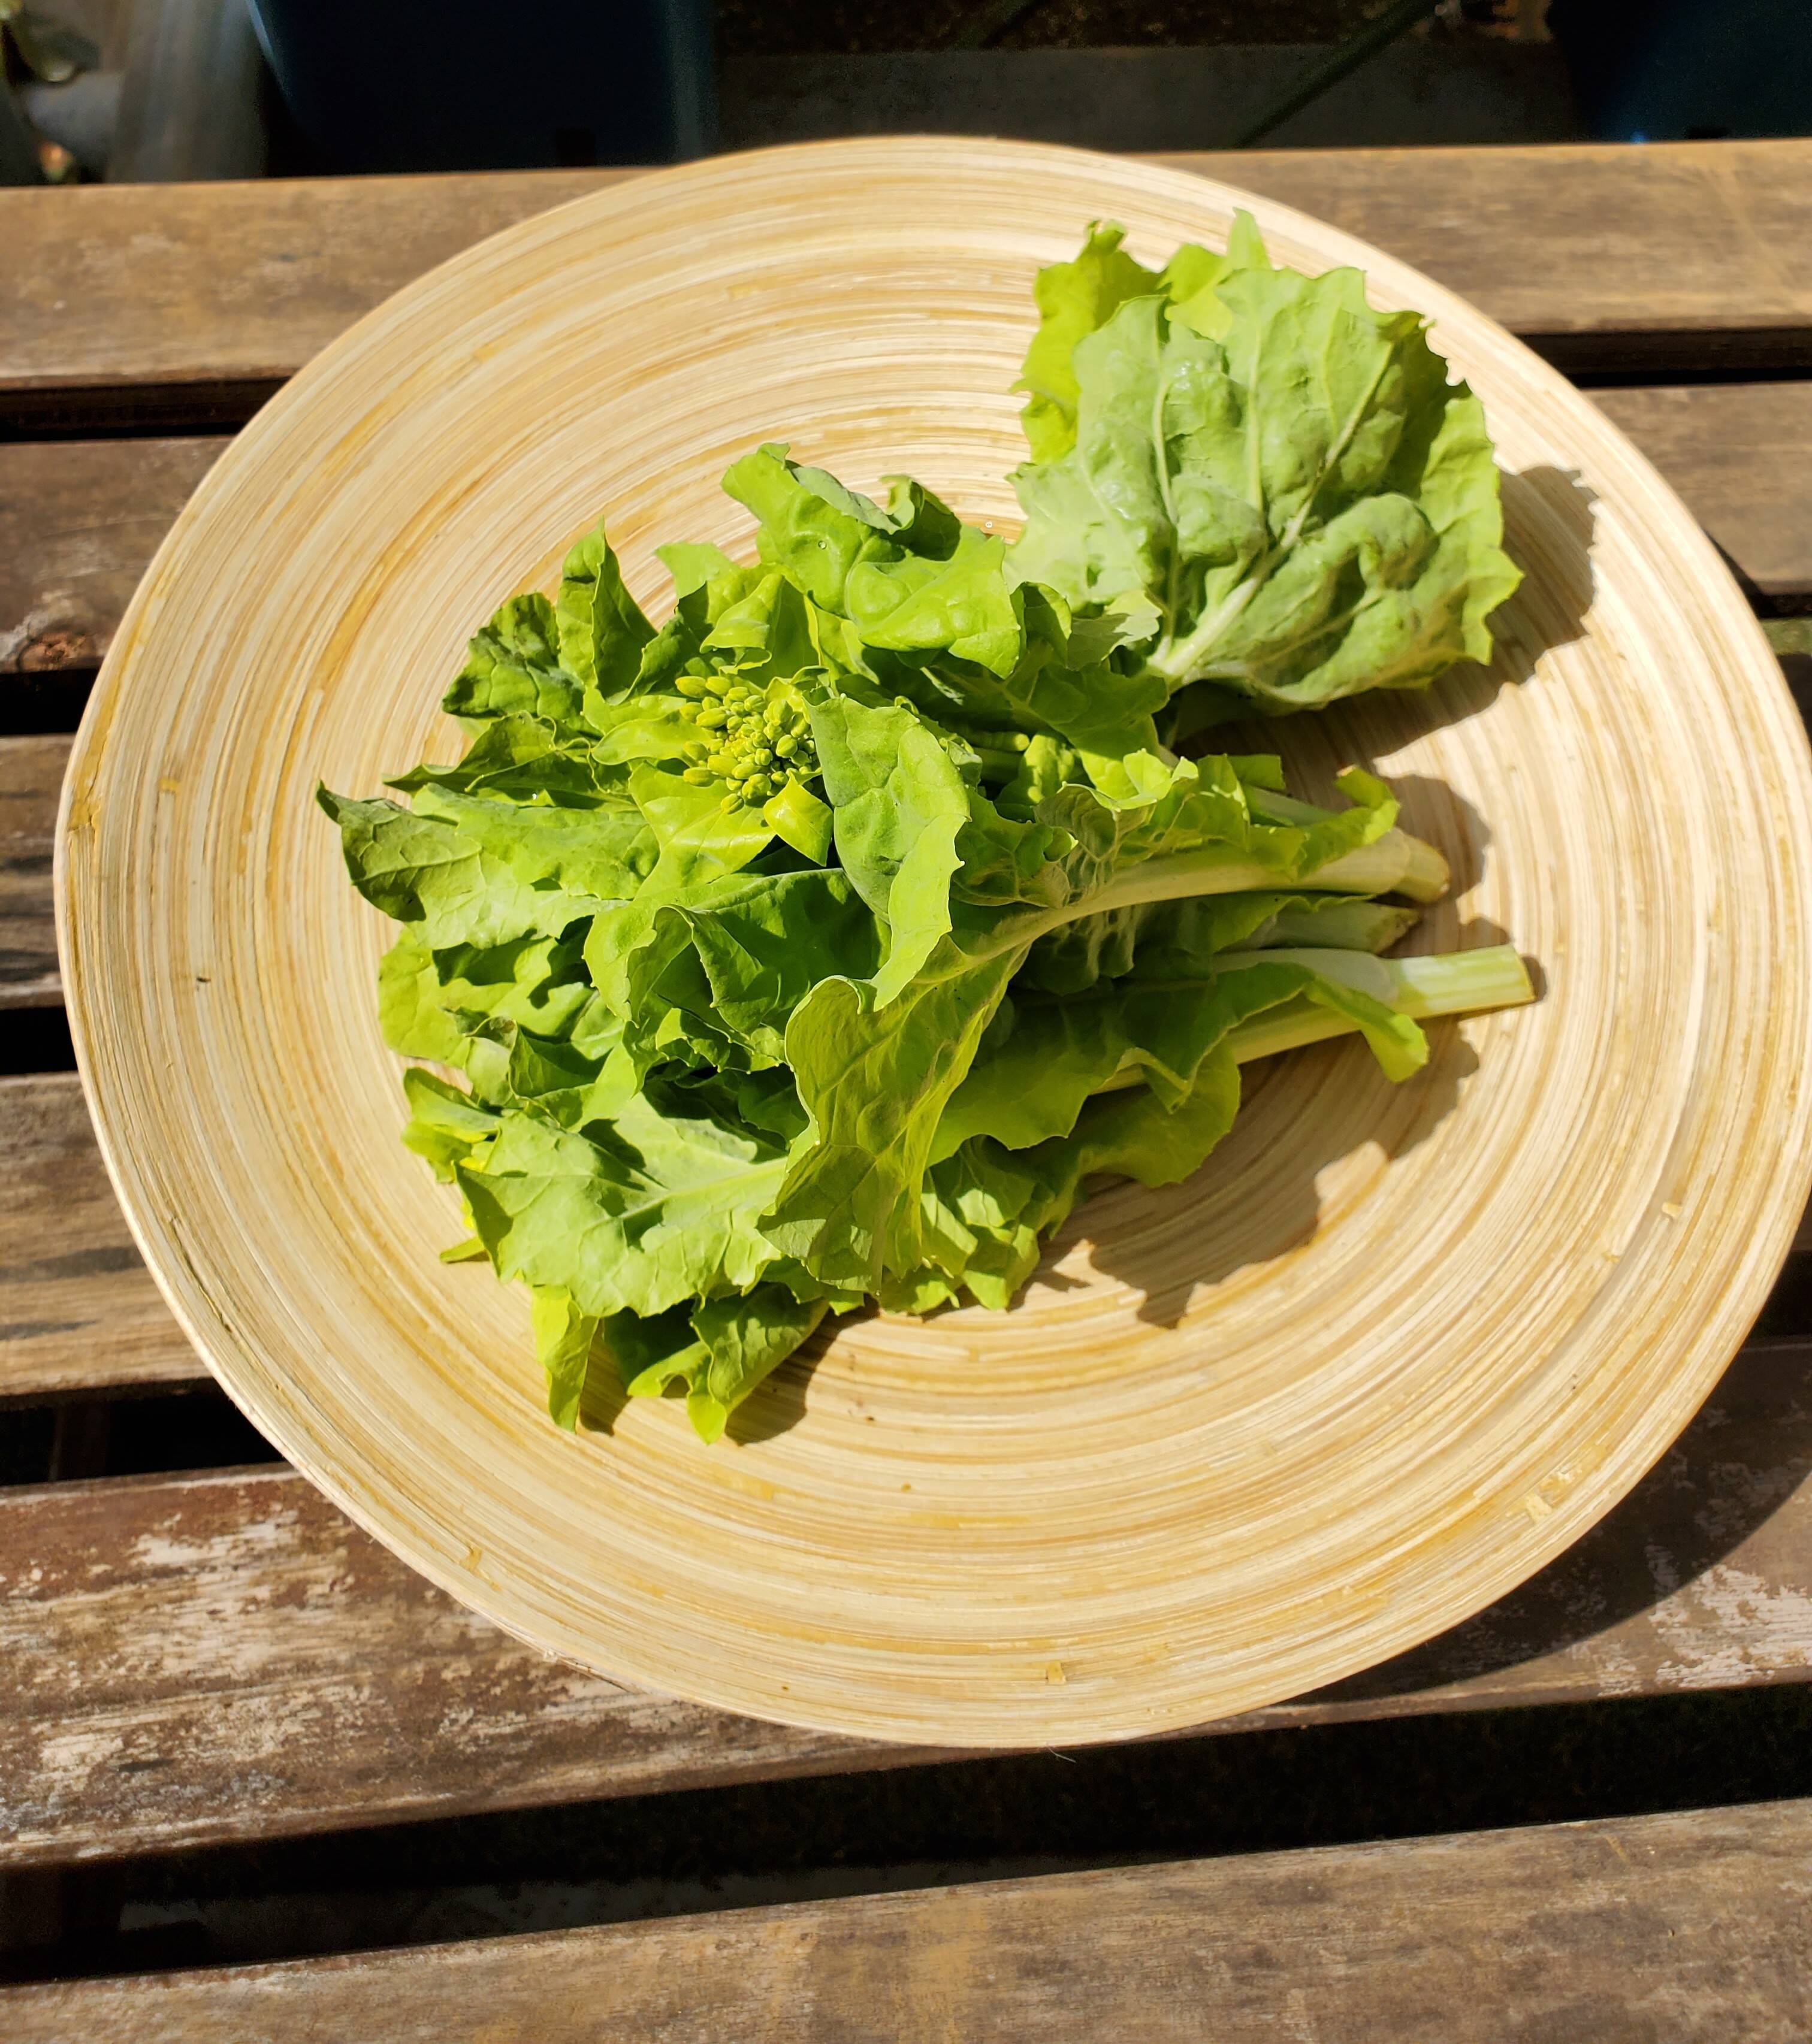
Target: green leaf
x=1134 y=1135
x=420 y=870
x=1030 y=1082
x=564 y=1336
x=746 y=1340
x=811 y=528
x=874 y=1079
x=763 y=633
x=1179 y=940
x=898 y=804
x=652 y=1351
x=1073 y=299
x=660 y=1208
x=430 y=1002
x=1291 y=490
x=445 y=1126
x=513 y=668
x=700 y=840
x=1352 y=984
x=962 y=604
x=600 y=628
x=797 y=817
x=979 y=1210
x=522 y=758
x=757 y=944
x=603 y=852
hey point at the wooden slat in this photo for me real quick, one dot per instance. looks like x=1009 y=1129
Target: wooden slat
x=78 y=1310
x=1741 y=456
x=31 y=774
x=1608 y=257
x=1682 y=1927
x=79 y=520
x=225 y=1656
x=1597 y=254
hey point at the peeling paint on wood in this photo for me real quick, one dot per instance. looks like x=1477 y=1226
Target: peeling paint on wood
x=31 y=775
x=79 y=521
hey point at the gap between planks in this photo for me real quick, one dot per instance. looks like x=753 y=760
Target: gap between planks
x=1696 y=1926
x=200 y=1659
x=80 y=519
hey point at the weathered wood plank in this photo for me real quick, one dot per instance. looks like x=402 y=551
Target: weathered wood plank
x=226 y=1656
x=79 y=521
x=31 y=774
x=1741 y=456
x=78 y=1310
x=251 y=1665
x=164 y=288
x=168 y=286
x=1687 y=1926
x=1574 y=246
x=80 y=518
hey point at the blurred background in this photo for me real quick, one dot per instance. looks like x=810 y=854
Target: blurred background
x=142 y=90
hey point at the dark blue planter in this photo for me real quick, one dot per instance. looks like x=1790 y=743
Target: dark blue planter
x=1673 y=70
x=383 y=85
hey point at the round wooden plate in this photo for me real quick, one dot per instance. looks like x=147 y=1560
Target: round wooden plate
x=1391 y=1351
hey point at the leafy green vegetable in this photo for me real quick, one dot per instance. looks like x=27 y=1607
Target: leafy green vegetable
x=1276 y=486
x=822 y=944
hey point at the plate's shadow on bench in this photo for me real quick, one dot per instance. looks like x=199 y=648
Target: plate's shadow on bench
x=1674 y=1541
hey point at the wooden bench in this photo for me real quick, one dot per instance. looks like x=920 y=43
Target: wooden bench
x=197 y=1658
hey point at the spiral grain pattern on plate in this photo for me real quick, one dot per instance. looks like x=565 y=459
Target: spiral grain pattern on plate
x=1393 y=1349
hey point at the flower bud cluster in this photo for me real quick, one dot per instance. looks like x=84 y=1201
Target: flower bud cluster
x=754 y=739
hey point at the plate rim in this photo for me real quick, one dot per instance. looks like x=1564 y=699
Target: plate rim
x=1567 y=1525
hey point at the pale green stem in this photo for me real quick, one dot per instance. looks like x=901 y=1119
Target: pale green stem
x=1426 y=877
x=1395 y=863
x=1455 y=983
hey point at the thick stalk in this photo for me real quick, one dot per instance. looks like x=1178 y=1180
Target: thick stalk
x=1426 y=877
x=1395 y=863
x=1456 y=983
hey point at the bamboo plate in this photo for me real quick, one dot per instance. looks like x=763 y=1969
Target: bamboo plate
x=1390 y=1352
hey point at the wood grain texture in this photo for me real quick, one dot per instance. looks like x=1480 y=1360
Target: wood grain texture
x=1395 y=1350
x=79 y=521
x=1579 y=247
x=31 y=772
x=1741 y=456
x=198 y=1659
x=78 y=1310
x=1696 y=1928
